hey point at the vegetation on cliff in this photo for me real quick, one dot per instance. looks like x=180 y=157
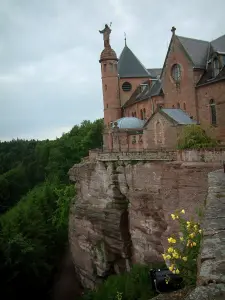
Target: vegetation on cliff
x=184 y=248
x=34 y=204
x=127 y=286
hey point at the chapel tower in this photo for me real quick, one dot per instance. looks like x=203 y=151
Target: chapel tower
x=110 y=84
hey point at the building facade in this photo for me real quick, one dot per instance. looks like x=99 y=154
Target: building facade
x=143 y=106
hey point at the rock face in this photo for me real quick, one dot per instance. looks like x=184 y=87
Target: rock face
x=211 y=274
x=122 y=212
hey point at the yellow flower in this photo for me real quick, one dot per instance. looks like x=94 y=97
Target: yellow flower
x=175 y=255
x=184 y=258
x=183 y=211
x=173 y=216
x=195 y=227
x=164 y=256
x=172 y=240
x=177 y=271
x=200 y=231
x=171 y=268
x=170 y=250
x=194 y=244
x=168 y=257
x=181 y=238
x=192 y=235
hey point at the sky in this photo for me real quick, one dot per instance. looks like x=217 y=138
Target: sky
x=50 y=76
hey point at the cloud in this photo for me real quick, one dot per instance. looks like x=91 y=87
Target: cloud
x=50 y=76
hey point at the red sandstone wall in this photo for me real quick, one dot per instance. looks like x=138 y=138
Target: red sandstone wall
x=112 y=108
x=135 y=82
x=162 y=136
x=185 y=93
x=216 y=92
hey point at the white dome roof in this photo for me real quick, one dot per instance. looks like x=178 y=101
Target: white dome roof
x=129 y=123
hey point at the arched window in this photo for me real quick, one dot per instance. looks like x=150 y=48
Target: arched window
x=178 y=105
x=212 y=106
x=105 y=87
x=184 y=105
x=144 y=114
x=216 y=67
x=135 y=114
x=176 y=72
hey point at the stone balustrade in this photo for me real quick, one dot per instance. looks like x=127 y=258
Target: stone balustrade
x=194 y=155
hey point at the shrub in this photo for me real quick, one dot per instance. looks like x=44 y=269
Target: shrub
x=127 y=286
x=183 y=249
x=194 y=137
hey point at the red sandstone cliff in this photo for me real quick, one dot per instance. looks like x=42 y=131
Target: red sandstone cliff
x=122 y=211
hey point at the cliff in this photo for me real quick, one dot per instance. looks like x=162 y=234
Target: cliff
x=122 y=211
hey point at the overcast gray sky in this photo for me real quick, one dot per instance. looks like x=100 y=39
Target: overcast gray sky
x=49 y=50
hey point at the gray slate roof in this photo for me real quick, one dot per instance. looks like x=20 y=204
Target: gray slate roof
x=178 y=115
x=129 y=65
x=146 y=93
x=196 y=49
x=155 y=72
x=219 y=44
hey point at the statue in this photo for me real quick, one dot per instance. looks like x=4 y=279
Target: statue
x=106 y=33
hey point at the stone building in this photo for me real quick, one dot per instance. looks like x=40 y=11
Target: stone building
x=146 y=108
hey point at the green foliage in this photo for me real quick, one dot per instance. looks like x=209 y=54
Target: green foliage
x=194 y=137
x=127 y=286
x=35 y=196
x=184 y=249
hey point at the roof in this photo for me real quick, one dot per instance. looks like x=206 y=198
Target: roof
x=129 y=123
x=178 y=115
x=197 y=50
x=208 y=79
x=155 y=72
x=129 y=65
x=219 y=44
x=148 y=91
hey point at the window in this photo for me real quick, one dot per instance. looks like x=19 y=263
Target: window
x=126 y=87
x=107 y=105
x=184 y=105
x=104 y=67
x=141 y=114
x=144 y=114
x=176 y=72
x=212 y=106
x=105 y=87
x=178 y=105
x=173 y=106
x=216 y=67
x=135 y=114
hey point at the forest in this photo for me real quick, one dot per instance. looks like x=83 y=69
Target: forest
x=35 y=196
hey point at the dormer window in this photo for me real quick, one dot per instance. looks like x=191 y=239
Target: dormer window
x=143 y=87
x=216 y=67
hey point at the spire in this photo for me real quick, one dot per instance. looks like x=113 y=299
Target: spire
x=106 y=34
x=125 y=39
x=173 y=29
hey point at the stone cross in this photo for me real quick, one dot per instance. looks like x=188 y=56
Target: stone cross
x=173 y=29
x=106 y=33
